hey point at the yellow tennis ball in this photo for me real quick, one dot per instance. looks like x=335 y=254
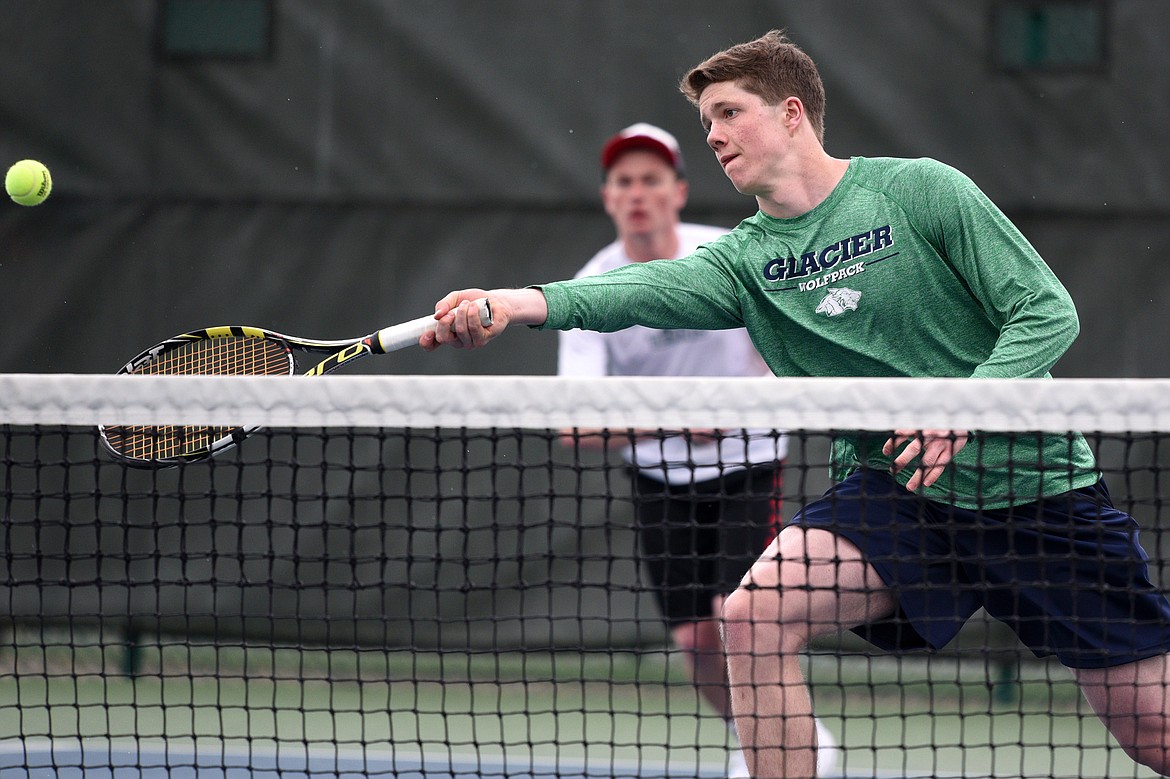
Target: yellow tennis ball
x=28 y=182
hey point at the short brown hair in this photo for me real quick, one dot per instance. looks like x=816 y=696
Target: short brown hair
x=772 y=67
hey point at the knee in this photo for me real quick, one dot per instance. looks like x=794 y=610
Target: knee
x=736 y=616
x=754 y=622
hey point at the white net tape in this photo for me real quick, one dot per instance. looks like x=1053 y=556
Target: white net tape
x=1105 y=405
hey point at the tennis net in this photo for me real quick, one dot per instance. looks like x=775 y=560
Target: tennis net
x=432 y=577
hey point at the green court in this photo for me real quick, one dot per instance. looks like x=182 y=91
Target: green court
x=518 y=714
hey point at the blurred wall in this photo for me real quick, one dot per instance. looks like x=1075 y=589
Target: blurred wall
x=389 y=151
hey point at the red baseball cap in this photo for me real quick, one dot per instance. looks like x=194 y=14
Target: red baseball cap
x=643 y=136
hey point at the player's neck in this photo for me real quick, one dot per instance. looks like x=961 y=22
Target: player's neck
x=802 y=187
x=643 y=247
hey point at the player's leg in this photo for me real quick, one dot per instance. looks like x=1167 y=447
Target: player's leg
x=699 y=540
x=700 y=643
x=816 y=579
x=714 y=531
x=750 y=516
x=1130 y=617
x=1132 y=701
x=1069 y=574
x=809 y=582
x=736 y=523
x=677 y=541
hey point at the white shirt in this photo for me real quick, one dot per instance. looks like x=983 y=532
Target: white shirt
x=642 y=351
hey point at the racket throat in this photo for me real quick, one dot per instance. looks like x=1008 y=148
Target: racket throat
x=367 y=345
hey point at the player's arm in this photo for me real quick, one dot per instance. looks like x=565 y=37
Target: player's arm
x=695 y=292
x=458 y=311
x=1037 y=323
x=1017 y=290
x=1021 y=295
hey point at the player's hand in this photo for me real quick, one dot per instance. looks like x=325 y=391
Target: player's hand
x=935 y=449
x=458 y=316
x=459 y=324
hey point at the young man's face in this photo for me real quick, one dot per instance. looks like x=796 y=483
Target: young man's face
x=748 y=136
x=643 y=194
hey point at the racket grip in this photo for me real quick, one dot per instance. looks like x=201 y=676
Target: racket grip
x=401 y=336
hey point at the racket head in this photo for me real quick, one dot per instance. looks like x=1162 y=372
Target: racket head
x=217 y=351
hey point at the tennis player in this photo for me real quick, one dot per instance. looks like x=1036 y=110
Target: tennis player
x=886 y=267
x=706 y=503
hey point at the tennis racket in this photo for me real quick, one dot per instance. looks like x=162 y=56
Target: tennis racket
x=238 y=351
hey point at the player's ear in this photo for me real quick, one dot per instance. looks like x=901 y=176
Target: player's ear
x=682 y=191
x=791 y=112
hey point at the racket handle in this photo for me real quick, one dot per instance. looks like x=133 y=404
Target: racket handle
x=401 y=336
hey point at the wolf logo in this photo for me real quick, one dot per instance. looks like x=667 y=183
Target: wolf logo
x=838 y=301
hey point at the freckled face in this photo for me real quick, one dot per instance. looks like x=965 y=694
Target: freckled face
x=747 y=136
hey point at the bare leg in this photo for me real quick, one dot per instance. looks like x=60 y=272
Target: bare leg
x=701 y=644
x=1133 y=700
x=807 y=583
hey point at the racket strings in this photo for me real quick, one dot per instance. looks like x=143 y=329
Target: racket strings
x=231 y=356
x=221 y=356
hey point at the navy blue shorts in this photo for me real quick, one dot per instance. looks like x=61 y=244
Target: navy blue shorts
x=1067 y=574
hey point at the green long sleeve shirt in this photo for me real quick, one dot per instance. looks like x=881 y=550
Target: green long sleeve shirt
x=906 y=269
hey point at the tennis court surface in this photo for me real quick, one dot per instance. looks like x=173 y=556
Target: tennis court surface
x=118 y=761
x=103 y=759
x=423 y=577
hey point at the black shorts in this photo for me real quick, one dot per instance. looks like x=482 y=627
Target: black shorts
x=1067 y=573
x=698 y=540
